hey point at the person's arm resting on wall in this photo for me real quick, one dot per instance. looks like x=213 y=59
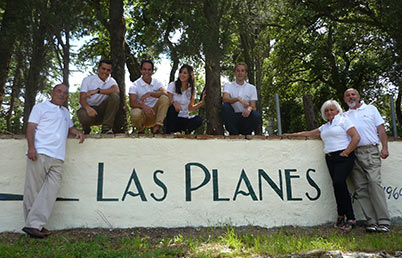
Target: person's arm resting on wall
x=77 y=133
x=315 y=132
x=32 y=154
x=384 y=141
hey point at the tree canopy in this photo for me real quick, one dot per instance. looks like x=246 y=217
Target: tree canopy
x=305 y=51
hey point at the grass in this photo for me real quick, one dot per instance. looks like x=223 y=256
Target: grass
x=197 y=242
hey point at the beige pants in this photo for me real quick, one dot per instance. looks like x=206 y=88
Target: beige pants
x=42 y=181
x=140 y=120
x=366 y=177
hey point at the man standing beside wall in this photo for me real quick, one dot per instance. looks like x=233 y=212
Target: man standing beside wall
x=48 y=127
x=366 y=174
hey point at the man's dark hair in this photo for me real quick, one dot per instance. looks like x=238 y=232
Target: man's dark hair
x=105 y=61
x=147 y=61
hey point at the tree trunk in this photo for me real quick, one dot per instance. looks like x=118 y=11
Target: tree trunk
x=175 y=66
x=15 y=89
x=133 y=66
x=309 y=114
x=398 y=106
x=212 y=68
x=258 y=84
x=8 y=35
x=35 y=67
x=117 y=44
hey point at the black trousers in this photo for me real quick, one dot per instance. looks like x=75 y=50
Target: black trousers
x=173 y=123
x=339 y=168
x=236 y=124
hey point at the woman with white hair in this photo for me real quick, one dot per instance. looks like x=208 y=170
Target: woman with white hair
x=340 y=139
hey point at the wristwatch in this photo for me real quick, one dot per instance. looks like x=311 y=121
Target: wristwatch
x=98 y=91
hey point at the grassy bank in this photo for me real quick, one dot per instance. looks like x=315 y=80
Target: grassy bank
x=197 y=242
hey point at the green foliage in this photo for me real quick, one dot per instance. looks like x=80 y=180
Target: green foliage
x=293 y=48
x=203 y=242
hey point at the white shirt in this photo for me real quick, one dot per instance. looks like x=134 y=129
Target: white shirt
x=93 y=82
x=140 y=88
x=246 y=91
x=335 y=134
x=366 y=118
x=183 y=99
x=53 y=123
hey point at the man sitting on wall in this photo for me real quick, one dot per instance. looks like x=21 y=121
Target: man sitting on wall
x=99 y=99
x=239 y=104
x=148 y=100
x=48 y=126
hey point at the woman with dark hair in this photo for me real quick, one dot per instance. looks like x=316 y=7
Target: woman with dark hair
x=181 y=95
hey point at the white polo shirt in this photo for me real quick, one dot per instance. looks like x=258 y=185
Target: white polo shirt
x=246 y=91
x=183 y=99
x=366 y=118
x=53 y=123
x=335 y=135
x=93 y=82
x=140 y=88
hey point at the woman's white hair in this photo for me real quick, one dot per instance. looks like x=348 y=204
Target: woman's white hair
x=326 y=105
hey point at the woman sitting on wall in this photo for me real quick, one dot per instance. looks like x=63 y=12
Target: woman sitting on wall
x=340 y=139
x=181 y=95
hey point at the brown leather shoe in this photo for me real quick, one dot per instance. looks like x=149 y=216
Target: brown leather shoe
x=33 y=232
x=46 y=232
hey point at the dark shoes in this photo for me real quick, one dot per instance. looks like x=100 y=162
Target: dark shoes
x=382 y=228
x=35 y=233
x=46 y=232
x=345 y=225
x=107 y=131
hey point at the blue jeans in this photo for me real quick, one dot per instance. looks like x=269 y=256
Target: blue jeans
x=236 y=124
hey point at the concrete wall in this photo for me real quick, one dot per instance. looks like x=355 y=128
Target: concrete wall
x=122 y=182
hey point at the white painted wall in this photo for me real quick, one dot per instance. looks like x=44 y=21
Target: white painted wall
x=121 y=156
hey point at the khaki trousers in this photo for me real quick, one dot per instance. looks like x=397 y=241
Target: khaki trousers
x=140 y=120
x=106 y=114
x=42 y=182
x=366 y=177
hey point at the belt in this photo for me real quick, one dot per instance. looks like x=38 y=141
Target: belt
x=335 y=153
x=367 y=146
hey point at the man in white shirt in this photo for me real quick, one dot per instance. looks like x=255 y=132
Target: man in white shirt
x=99 y=99
x=239 y=104
x=148 y=100
x=48 y=127
x=366 y=174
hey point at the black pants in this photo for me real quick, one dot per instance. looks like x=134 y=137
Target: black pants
x=236 y=124
x=173 y=123
x=339 y=168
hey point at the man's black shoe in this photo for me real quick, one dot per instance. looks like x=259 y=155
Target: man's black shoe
x=33 y=232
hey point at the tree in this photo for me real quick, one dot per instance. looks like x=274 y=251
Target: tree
x=11 y=25
x=117 y=31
